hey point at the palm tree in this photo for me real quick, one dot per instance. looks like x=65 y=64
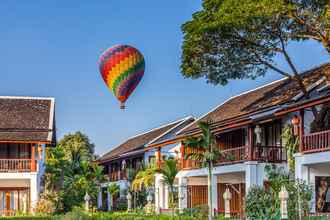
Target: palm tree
x=144 y=178
x=206 y=153
x=169 y=171
x=113 y=190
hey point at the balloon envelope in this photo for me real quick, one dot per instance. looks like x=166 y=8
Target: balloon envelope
x=122 y=68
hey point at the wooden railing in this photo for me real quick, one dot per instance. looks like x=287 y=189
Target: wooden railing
x=231 y=155
x=315 y=142
x=271 y=154
x=15 y=165
x=117 y=175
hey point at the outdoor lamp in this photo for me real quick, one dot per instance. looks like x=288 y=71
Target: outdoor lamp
x=295 y=122
x=257 y=131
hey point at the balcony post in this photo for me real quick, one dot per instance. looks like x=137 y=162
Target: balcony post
x=301 y=131
x=182 y=155
x=33 y=159
x=250 y=143
x=158 y=157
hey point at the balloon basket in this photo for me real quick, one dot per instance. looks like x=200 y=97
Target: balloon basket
x=122 y=106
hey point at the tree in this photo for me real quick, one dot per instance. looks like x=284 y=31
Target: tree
x=113 y=190
x=145 y=178
x=77 y=147
x=206 y=153
x=169 y=171
x=230 y=39
x=70 y=172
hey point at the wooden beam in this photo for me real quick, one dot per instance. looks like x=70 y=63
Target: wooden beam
x=250 y=143
x=33 y=159
x=307 y=104
x=301 y=130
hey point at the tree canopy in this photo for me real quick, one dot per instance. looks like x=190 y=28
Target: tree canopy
x=71 y=173
x=230 y=39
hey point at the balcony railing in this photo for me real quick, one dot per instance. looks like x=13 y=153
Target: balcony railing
x=316 y=142
x=271 y=154
x=15 y=165
x=231 y=155
x=117 y=175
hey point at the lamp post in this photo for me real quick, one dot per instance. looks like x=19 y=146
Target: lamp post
x=227 y=196
x=129 y=201
x=284 y=196
x=87 y=198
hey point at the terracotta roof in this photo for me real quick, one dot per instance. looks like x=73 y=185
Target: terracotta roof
x=27 y=119
x=274 y=94
x=139 y=141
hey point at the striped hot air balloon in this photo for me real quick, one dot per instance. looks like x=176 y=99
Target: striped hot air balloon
x=122 y=68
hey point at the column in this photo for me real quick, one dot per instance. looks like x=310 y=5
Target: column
x=214 y=186
x=33 y=159
x=166 y=197
x=301 y=131
x=183 y=195
x=109 y=202
x=34 y=195
x=182 y=156
x=99 y=199
x=158 y=157
x=250 y=143
x=251 y=175
x=158 y=192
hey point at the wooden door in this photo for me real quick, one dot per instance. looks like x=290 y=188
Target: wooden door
x=237 y=201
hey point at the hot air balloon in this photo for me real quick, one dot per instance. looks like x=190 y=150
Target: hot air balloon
x=122 y=68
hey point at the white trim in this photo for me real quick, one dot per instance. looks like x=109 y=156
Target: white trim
x=229 y=99
x=135 y=136
x=171 y=129
x=252 y=90
x=27 y=97
x=309 y=88
x=51 y=118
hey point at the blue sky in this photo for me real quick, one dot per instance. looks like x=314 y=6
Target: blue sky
x=51 y=48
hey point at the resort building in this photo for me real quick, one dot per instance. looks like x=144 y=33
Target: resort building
x=132 y=154
x=248 y=130
x=27 y=126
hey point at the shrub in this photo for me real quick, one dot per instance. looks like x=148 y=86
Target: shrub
x=260 y=205
x=44 y=207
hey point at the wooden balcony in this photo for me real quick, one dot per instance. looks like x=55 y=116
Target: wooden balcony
x=270 y=154
x=15 y=165
x=316 y=142
x=117 y=175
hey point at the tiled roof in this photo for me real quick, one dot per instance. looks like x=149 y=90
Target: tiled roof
x=27 y=119
x=274 y=94
x=139 y=141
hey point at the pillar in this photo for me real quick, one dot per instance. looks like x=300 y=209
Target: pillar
x=109 y=202
x=158 y=192
x=183 y=195
x=251 y=175
x=214 y=186
x=301 y=131
x=182 y=156
x=34 y=195
x=99 y=198
x=158 y=157
x=250 y=143
x=166 y=197
x=33 y=159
